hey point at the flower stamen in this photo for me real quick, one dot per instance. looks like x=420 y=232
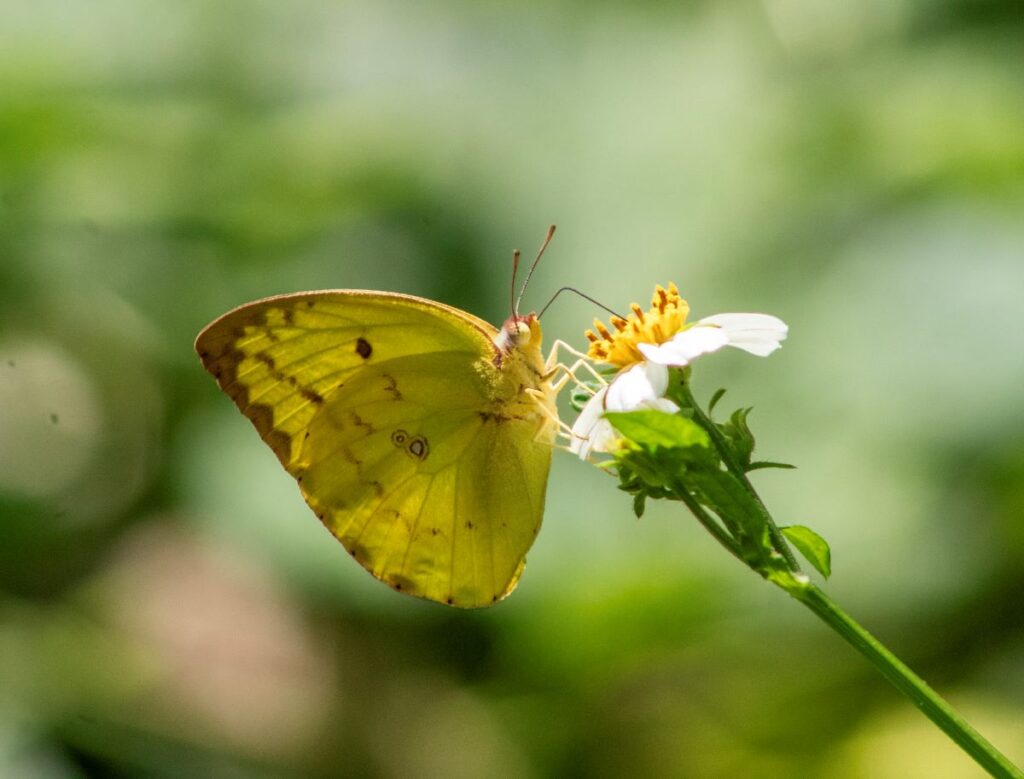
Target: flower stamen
x=666 y=317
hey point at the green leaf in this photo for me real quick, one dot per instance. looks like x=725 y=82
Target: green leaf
x=768 y=464
x=639 y=504
x=730 y=499
x=714 y=400
x=813 y=547
x=652 y=428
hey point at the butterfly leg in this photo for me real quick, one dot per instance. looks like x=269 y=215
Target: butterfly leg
x=569 y=372
x=559 y=344
x=553 y=365
x=560 y=426
x=563 y=430
x=553 y=361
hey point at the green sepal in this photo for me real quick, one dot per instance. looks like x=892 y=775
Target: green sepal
x=813 y=547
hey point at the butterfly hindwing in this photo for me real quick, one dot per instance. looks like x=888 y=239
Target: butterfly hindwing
x=430 y=498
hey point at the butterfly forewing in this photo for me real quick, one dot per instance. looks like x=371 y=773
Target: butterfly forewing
x=279 y=358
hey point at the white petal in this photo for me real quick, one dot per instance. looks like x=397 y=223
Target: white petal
x=584 y=426
x=759 y=334
x=590 y=432
x=640 y=384
x=663 y=404
x=686 y=346
x=602 y=438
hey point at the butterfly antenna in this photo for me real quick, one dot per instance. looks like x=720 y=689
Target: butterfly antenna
x=543 y=246
x=512 y=286
x=582 y=295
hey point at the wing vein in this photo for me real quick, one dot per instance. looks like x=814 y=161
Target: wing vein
x=494 y=531
x=455 y=527
x=398 y=518
x=380 y=504
x=416 y=522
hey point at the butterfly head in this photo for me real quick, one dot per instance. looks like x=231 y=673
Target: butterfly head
x=519 y=332
x=522 y=332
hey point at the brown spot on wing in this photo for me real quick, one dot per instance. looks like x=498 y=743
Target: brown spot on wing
x=262 y=416
x=311 y=395
x=348 y=455
x=363 y=348
x=391 y=386
x=419 y=448
x=358 y=421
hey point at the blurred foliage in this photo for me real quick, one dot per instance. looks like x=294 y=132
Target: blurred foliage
x=169 y=607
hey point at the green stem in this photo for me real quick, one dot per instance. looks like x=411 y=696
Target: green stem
x=709 y=523
x=905 y=680
x=800 y=588
x=725 y=452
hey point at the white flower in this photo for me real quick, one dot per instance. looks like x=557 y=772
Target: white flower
x=759 y=334
x=640 y=386
x=645 y=344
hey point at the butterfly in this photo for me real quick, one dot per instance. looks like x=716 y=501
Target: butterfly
x=419 y=435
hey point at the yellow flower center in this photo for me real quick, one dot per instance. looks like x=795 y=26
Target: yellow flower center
x=666 y=317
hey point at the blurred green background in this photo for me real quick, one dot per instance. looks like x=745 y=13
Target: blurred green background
x=169 y=607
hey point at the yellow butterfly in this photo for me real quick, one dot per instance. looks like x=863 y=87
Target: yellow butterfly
x=420 y=435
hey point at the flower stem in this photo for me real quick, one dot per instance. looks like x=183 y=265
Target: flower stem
x=904 y=679
x=798 y=586
x=725 y=452
x=710 y=524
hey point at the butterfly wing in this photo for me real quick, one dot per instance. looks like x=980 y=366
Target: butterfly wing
x=411 y=441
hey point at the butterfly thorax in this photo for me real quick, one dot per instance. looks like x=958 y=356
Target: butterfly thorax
x=521 y=365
